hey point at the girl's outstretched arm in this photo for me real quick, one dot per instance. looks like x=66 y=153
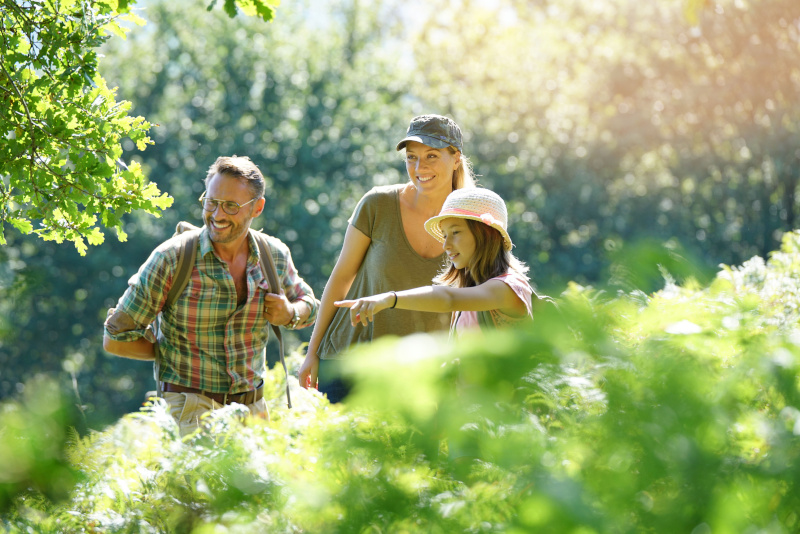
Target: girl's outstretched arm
x=491 y=295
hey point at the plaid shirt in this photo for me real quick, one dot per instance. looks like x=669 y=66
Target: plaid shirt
x=208 y=341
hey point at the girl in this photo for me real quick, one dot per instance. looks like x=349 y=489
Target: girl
x=484 y=285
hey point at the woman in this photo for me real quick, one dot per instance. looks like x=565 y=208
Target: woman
x=387 y=248
x=485 y=285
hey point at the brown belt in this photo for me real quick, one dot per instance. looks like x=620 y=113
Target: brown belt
x=248 y=397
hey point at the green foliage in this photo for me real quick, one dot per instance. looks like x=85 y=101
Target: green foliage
x=62 y=126
x=629 y=412
x=34 y=435
x=674 y=412
x=53 y=298
x=320 y=118
x=264 y=10
x=624 y=120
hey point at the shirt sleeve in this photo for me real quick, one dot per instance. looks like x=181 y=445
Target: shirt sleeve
x=139 y=305
x=364 y=215
x=294 y=287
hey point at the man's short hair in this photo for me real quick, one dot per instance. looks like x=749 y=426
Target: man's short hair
x=239 y=167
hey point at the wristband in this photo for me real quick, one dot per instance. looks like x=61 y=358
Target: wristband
x=295 y=319
x=395 y=298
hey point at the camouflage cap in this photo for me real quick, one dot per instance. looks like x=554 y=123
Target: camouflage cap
x=434 y=131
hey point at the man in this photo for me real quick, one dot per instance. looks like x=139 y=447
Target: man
x=212 y=341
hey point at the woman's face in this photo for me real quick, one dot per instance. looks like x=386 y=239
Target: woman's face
x=459 y=243
x=429 y=168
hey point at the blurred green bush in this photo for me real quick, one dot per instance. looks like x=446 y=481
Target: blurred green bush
x=670 y=412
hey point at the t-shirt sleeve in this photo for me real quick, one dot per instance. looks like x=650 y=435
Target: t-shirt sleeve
x=364 y=215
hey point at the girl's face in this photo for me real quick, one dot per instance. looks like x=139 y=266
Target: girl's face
x=431 y=168
x=459 y=243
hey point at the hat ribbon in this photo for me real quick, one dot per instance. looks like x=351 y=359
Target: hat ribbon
x=458 y=211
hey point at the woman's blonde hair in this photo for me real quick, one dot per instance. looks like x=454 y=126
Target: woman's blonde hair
x=490 y=259
x=463 y=176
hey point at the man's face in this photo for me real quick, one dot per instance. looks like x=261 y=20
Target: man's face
x=223 y=227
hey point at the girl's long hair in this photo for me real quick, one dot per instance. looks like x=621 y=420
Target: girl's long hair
x=490 y=260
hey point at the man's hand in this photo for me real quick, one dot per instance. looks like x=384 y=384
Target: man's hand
x=277 y=308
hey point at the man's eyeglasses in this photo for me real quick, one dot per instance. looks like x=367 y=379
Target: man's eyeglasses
x=228 y=206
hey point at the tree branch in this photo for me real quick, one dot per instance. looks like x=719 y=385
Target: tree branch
x=24 y=105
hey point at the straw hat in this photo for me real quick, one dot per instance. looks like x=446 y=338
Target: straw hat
x=476 y=203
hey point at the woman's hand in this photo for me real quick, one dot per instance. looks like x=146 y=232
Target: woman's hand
x=308 y=372
x=363 y=310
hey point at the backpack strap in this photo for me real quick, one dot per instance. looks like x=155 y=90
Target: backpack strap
x=271 y=275
x=187 y=255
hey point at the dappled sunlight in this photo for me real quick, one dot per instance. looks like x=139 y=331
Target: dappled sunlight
x=648 y=153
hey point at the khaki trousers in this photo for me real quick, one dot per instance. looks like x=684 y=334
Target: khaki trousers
x=187 y=408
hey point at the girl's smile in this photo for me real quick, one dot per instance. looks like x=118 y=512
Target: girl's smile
x=459 y=243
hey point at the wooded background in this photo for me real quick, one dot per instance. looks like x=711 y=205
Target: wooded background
x=621 y=133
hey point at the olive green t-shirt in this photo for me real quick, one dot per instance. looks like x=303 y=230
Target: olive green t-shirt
x=390 y=264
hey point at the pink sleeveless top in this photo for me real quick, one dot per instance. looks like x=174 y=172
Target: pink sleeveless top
x=468 y=320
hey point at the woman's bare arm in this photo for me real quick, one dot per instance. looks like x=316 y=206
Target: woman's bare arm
x=344 y=272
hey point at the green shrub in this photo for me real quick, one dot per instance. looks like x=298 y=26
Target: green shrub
x=672 y=412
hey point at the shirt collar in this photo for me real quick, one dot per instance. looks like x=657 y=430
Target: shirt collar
x=207 y=248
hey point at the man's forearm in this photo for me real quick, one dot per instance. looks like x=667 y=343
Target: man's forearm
x=140 y=349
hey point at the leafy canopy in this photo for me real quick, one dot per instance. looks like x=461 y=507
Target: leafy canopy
x=62 y=126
